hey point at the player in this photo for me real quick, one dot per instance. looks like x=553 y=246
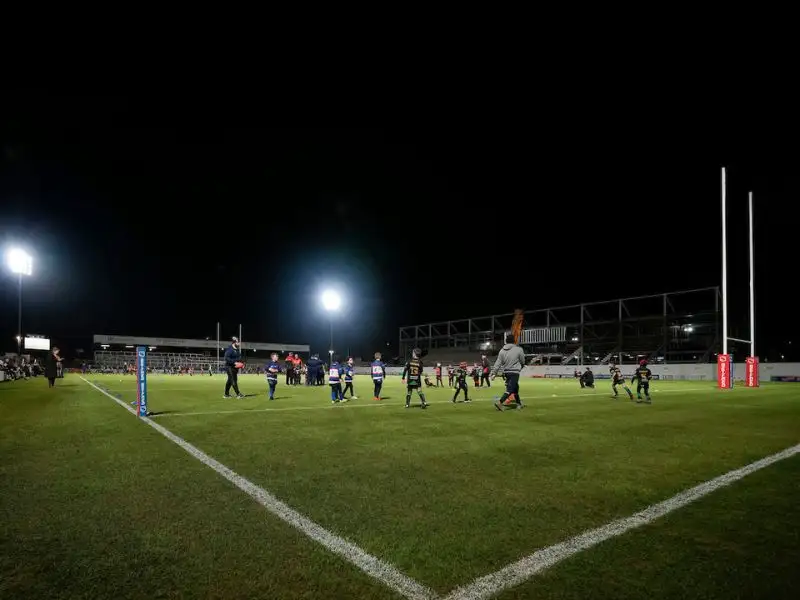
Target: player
x=451 y=372
x=461 y=382
x=485 y=369
x=288 y=365
x=273 y=368
x=438 y=372
x=618 y=379
x=232 y=365
x=349 y=373
x=413 y=370
x=476 y=375
x=587 y=379
x=335 y=373
x=378 y=370
x=642 y=378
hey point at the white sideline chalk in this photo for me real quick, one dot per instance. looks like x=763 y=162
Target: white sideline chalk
x=369 y=564
x=525 y=568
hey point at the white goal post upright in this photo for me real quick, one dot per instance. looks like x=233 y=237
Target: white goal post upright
x=724 y=360
x=724 y=265
x=752 y=281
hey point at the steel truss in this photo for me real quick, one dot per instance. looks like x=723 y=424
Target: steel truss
x=673 y=327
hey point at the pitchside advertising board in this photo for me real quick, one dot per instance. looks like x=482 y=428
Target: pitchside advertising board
x=725 y=371
x=141 y=377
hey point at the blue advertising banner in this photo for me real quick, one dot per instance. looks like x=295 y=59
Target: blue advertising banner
x=141 y=380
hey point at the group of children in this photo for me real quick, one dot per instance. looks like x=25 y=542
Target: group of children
x=478 y=373
x=641 y=378
x=338 y=374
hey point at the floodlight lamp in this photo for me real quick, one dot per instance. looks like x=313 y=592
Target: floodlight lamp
x=331 y=300
x=19 y=261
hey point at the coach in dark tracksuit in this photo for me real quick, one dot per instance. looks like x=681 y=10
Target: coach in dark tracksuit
x=232 y=356
x=510 y=363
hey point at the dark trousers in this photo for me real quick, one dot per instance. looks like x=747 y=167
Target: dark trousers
x=51 y=381
x=512 y=387
x=461 y=385
x=348 y=385
x=273 y=383
x=233 y=381
x=378 y=386
x=485 y=378
x=439 y=382
x=289 y=376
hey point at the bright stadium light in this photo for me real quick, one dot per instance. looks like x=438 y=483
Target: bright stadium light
x=20 y=263
x=331 y=302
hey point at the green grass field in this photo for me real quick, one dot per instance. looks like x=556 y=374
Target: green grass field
x=96 y=504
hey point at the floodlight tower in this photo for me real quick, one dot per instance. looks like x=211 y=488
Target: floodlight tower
x=20 y=263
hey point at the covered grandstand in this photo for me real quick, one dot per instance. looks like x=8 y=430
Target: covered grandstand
x=117 y=352
x=675 y=327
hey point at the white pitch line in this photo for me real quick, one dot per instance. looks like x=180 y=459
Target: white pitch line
x=348 y=405
x=527 y=567
x=369 y=564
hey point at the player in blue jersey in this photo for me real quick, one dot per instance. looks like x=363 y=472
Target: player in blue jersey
x=273 y=368
x=335 y=374
x=378 y=372
x=349 y=373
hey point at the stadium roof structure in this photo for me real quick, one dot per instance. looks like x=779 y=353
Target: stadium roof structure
x=125 y=340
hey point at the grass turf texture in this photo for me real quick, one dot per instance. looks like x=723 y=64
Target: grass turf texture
x=96 y=504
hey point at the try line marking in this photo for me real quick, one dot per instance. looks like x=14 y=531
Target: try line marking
x=369 y=564
x=483 y=587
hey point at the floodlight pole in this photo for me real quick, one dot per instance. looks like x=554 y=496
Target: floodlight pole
x=752 y=283
x=724 y=268
x=19 y=318
x=330 y=320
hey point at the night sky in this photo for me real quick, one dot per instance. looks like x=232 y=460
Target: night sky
x=159 y=217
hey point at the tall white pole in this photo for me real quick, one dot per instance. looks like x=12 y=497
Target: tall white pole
x=752 y=284
x=216 y=368
x=724 y=267
x=19 y=321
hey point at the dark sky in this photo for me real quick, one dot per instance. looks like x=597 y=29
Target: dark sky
x=163 y=216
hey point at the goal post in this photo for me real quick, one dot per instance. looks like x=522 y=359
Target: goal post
x=725 y=373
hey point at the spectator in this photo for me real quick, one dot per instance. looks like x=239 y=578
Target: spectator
x=51 y=366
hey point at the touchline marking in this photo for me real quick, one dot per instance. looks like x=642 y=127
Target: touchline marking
x=371 y=565
x=348 y=405
x=529 y=566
